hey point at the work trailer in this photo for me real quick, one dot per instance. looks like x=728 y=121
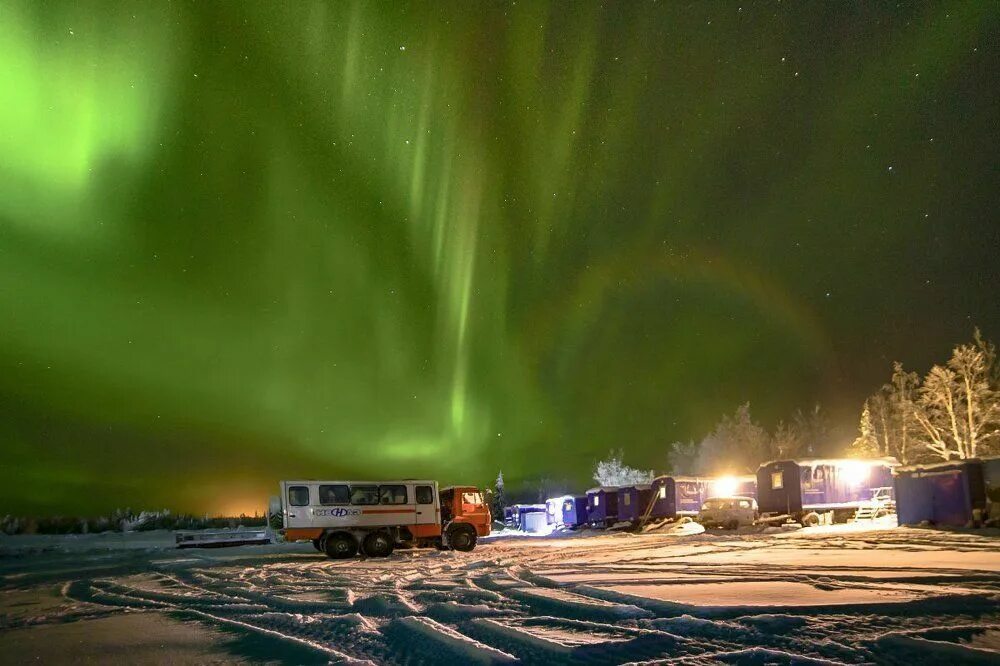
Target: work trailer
x=838 y=485
x=633 y=502
x=343 y=517
x=602 y=506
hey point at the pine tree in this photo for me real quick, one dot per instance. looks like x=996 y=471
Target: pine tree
x=866 y=445
x=499 y=497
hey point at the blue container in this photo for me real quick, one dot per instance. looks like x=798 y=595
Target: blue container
x=951 y=493
x=518 y=512
x=602 y=506
x=799 y=486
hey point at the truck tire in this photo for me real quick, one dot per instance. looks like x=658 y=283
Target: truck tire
x=377 y=544
x=462 y=537
x=341 y=545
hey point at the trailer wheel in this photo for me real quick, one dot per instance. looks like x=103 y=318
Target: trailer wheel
x=462 y=537
x=377 y=544
x=340 y=546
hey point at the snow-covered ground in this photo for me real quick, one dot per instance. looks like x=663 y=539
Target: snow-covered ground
x=841 y=594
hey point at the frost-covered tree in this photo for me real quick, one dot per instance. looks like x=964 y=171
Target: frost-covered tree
x=786 y=442
x=613 y=472
x=813 y=430
x=499 y=497
x=958 y=410
x=866 y=445
x=736 y=445
x=683 y=457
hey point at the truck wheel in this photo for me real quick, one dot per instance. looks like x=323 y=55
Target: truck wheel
x=340 y=546
x=462 y=538
x=377 y=544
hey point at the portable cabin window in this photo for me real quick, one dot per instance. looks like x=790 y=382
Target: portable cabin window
x=663 y=492
x=777 y=480
x=425 y=494
x=364 y=495
x=333 y=495
x=568 y=505
x=597 y=500
x=392 y=494
x=818 y=473
x=628 y=499
x=298 y=495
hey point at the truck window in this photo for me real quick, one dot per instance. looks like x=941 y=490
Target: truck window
x=298 y=495
x=364 y=495
x=425 y=494
x=339 y=494
x=392 y=494
x=471 y=502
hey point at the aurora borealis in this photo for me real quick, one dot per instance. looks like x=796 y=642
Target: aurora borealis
x=242 y=242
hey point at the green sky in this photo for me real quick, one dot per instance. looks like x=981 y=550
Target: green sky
x=242 y=242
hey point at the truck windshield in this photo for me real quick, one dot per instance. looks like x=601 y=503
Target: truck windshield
x=471 y=501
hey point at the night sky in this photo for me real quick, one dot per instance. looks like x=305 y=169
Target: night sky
x=241 y=242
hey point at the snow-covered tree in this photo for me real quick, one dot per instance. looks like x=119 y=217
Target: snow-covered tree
x=499 y=497
x=866 y=445
x=683 y=457
x=813 y=431
x=786 y=442
x=614 y=472
x=958 y=410
x=736 y=445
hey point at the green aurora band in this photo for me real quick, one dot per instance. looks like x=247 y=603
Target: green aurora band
x=247 y=241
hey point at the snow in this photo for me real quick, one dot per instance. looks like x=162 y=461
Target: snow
x=836 y=594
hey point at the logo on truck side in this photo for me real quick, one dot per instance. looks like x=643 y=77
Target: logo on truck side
x=338 y=512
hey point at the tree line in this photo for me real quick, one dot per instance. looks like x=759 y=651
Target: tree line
x=953 y=413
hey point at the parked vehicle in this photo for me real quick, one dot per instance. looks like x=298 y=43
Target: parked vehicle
x=343 y=517
x=728 y=512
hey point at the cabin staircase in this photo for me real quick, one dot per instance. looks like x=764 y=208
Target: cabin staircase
x=649 y=509
x=881 y=504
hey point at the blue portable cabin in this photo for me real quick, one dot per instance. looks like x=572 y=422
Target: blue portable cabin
x=664 y=496
x=602 y=505
x=555 y=509
x=840 y=485
x=633 y=501
x=574 y=511
x=508 y=516
x=947 y=493
x=690 y=493
x=991 y=476
x=731 y=486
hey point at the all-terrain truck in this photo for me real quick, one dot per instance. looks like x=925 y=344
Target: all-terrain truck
x=342 y=518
